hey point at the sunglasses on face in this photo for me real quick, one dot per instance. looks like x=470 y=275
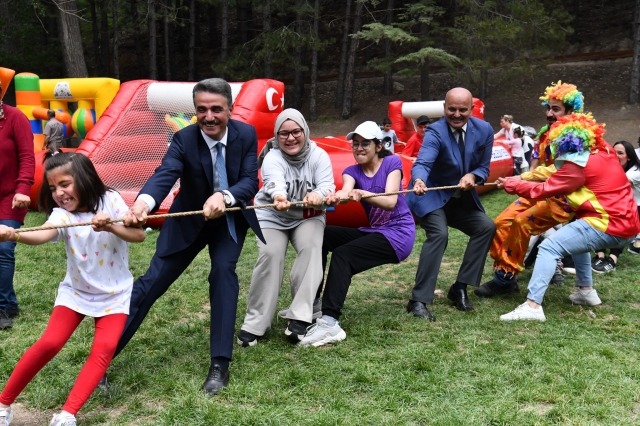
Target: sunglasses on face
x=295 y=133
x=364 y=144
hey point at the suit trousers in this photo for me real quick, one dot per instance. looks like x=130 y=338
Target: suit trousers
x=462 y=214
x=223 y=283
x=305 y=277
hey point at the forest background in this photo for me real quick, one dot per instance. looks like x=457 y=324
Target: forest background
x=477 y=43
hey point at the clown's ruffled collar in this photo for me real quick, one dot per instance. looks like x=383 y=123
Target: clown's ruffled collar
x=574 y=137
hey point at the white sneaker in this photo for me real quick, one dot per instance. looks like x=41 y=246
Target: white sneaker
x=322 y=333
x=524 y=312
x=63 y=419
x=585 y=297
x=317 y=310
x=5 y=416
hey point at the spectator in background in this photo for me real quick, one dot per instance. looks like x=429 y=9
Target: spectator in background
x=52 y=133
x=520 y=165
x=17 y=166
x=389 y=136
x=508 y=126
x=415 y=142
x=601 y=264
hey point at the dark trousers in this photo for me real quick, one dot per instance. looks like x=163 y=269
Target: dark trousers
x=352 y=252
x=462 y=214
x=223 y=284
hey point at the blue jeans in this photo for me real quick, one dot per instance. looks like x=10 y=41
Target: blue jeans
x=8 y=298
x=578 y=239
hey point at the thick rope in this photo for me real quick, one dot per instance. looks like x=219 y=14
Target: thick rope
x=231 y=209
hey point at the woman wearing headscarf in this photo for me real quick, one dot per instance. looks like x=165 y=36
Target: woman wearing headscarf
x=293 y=169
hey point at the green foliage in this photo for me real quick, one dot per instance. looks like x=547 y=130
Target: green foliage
x=506 y=34
x=412 y=29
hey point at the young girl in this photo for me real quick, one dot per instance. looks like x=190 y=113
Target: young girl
x=97 y=284
x=520 y=165
x=388 y=239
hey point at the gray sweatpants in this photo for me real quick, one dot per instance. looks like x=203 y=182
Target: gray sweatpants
x=305 y=277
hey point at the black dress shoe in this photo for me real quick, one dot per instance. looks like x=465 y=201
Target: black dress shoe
x=460 y=298
x=217 y=378
x=103 y=383
x=419 y=309
x=491 y=288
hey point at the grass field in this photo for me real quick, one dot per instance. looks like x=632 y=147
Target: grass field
x=580 y=367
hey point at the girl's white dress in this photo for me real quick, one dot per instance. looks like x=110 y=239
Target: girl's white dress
x=98 y=280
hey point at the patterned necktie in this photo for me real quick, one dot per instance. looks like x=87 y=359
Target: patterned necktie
x=221 y=172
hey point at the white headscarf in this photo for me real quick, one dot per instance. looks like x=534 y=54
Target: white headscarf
x=297 y=117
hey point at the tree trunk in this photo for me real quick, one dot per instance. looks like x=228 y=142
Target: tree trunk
x=71 y=39
x=96 y=38
x=298 y=76
x=167 y=40
x=192 y=41
x=351 y=65
x=224 y=42
x=484 y=75
x=244 y=13
x=138 y=38
x=313 y=115
x=266 y=29
x=212 y=15
x=387 y=82
x=116 y=64
x=104 y=39
x=153 y=63
x=424 y=71
x=634 y=92
x=343 y=57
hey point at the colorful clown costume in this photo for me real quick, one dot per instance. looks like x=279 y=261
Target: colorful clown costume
x=599 y=193
x=527 y=217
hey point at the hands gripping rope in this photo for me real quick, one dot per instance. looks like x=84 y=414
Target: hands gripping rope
x=231 y=209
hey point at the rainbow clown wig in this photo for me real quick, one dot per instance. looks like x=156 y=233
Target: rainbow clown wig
x=566 y=93
x=573 y=137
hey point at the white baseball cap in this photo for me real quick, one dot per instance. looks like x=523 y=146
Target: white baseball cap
x=368 y=130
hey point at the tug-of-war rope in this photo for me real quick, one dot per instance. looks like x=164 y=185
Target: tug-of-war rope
x=230 y=209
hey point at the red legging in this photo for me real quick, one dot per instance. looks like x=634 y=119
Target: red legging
x=61 y=325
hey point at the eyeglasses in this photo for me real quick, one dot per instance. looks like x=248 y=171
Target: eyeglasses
x=295 y=133
x=364 y=144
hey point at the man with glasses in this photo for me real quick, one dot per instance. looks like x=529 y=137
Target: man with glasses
x=456 y=151
x=215 y=161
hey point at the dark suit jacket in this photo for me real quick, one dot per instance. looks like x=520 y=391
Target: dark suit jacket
x=189 y=159
x=439 y=163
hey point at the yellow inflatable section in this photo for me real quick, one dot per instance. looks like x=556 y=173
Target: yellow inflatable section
x=93 y=96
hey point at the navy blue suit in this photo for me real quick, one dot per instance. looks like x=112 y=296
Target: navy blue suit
x=439 y=163
x=182 y=238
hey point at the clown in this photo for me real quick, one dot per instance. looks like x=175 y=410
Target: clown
x=527 y=217
x=599 y=194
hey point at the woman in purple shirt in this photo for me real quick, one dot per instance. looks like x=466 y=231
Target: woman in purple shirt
x=389 y=237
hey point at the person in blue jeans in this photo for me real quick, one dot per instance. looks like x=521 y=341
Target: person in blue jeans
x=17 y=166
x=599 y=193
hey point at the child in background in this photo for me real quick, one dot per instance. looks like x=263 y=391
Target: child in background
x=389 y=136
x=520 y=165
x=98 y=282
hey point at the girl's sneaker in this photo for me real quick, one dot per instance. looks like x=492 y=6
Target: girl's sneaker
x=5 y=416
x=63 y=419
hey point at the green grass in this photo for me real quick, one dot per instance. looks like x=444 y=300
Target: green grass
x=393 y=369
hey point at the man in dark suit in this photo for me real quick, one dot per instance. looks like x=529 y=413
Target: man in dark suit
x=215 y=161
x=456 y=151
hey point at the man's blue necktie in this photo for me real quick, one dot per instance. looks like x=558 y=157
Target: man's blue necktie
x=221 y=170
